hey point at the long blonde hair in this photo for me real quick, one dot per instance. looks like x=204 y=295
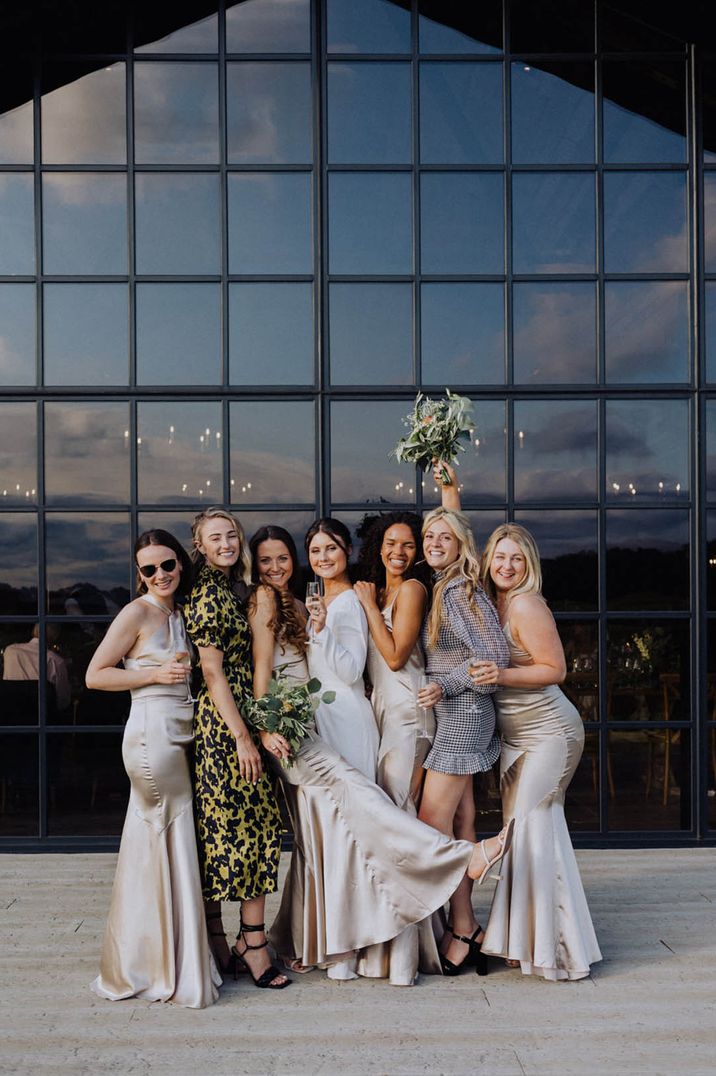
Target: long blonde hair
x=532 y=581
x=466 y=566
x=239 y=571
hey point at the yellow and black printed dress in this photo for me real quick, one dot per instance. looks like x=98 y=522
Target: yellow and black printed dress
x=238 y=823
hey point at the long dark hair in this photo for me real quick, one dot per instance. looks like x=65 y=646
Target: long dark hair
x=333 y=527
x=285 y=624
x=372 y=532
x=157 y=536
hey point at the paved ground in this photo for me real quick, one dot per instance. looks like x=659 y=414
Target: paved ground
x=650 y=1006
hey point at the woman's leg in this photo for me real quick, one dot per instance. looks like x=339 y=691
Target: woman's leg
x=217 y=935
x=251 y=944
x=464 y=830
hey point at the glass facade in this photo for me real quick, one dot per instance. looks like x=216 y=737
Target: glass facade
x=236 y=239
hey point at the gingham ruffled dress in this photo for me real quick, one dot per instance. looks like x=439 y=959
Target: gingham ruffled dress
x=465 y=741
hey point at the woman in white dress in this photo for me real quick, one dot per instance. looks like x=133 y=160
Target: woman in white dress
x=362 y=870
x=155 y=945
x=539 y=919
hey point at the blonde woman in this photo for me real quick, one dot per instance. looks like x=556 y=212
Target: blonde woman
x=461 y=628
x=238 y=820
x=539 y=919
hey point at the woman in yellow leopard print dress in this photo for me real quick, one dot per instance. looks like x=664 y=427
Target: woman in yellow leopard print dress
x=238 y=820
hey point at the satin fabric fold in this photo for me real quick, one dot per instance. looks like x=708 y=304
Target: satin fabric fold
x=539 y=914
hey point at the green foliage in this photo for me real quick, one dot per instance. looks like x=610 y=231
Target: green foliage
x=438 y=429
x=288 y=708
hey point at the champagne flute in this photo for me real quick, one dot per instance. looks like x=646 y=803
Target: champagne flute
x=314 y=590
x=183 y=657
x=420 y=683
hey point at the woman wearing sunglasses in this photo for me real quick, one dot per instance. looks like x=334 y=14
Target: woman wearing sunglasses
x=156 y=945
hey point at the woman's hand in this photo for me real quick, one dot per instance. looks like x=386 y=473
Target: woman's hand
x=484 y=672
x=171 y=672
x=439 y=466
x=317 y=613
x=250 y=766
x=366 y=595
x=429 y=696
x=276 y=744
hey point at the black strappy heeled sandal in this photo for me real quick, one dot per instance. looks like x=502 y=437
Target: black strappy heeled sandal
x=474 y=956
x=232 y=966
x=267 y=979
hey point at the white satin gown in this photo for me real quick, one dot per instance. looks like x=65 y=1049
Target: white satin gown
x=539 y=914
x=155 y=943
x=362 y=869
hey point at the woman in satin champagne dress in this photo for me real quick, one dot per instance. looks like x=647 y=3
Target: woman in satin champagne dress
x=394 y=596
x=539 y=919
x=362 y=870
x=156 y=945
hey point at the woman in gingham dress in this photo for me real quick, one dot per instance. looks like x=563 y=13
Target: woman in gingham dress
x=461 y=628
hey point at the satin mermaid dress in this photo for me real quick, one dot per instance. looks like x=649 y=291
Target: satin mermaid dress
x=539 y=914
x=155 y=944
x=362 y=869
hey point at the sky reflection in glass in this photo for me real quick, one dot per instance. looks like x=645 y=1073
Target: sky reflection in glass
x=271 y=340
x=86 y=334
x=177 y=223
x=270 y=223
x=369 y=113
x=84 y=223
x=371 y=334
x=17 y=334
x=461 y=113
x=554 y=339
x=269 y=113
x=178 y=334
x=462 y=223
x=463 y=334
x=370 y=223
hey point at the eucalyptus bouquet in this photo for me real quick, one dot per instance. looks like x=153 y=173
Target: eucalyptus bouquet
x=288 y=708
x=437 y=430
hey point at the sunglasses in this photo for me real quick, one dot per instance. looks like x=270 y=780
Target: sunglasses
x=148 y=570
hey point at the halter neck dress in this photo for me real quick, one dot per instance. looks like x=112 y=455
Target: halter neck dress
x=155 y=944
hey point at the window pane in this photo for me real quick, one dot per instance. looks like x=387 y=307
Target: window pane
x=178 y=334
x=179 y=453
x=269 y=26
x=199 y=36
x=84 y=121
x=17 y=223
x=552 y=26
x=177 y=223
x=362 y=469
x=555 y=445
x=18 y=557
x=19 y=670
x=709 y=329
x=87 y=453
x=461 y=113
x=582 y=799
x=176 y=113
x=369 y=114
x=273 y=448
x=371 y=26
x=553 y=222
x=87 y=782
x=711 y=448
x=16 y=126
x=580 y=639
x=86 y=334
x=371 y=334
x=84 y=222
x=623 y=32
x=463 y=334
x=17 y=334
x=552 y=113
x=481 y=467
x=647 y=449
x=88 y=563
x=270 y=223
x=18 y=453
x=647 y=331
x=650 y=780
x=709 y=221
x=647 y=564
x=20 y=778
x=567 y=543
x=462 y=223
x=271 y=334
x=645 y=226
x=75 y=644
x=644 y=112
x=648 y=670
x=269 y=113
x=450 y=26
x=710 y=571
x=555 y=338
x=370 y=223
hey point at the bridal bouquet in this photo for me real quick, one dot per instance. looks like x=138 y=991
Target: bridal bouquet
x=288 y=708
x=437 y=430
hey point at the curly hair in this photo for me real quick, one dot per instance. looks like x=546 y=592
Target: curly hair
x=286 y=622
x=372 y=532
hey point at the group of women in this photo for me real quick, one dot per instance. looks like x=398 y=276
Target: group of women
x=380 y=794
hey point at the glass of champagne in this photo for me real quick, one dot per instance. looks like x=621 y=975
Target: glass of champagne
x=314 y=590
x=422 y=682
x=183 y=657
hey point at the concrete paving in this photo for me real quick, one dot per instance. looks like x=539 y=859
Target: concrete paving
x=649 y=1007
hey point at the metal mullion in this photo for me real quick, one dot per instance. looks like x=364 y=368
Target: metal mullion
x=417 y=282
x=507 y=300
x=131 y=218
x=42 y=610
x=602 y=725
x=321 y=257
x=224 y=226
